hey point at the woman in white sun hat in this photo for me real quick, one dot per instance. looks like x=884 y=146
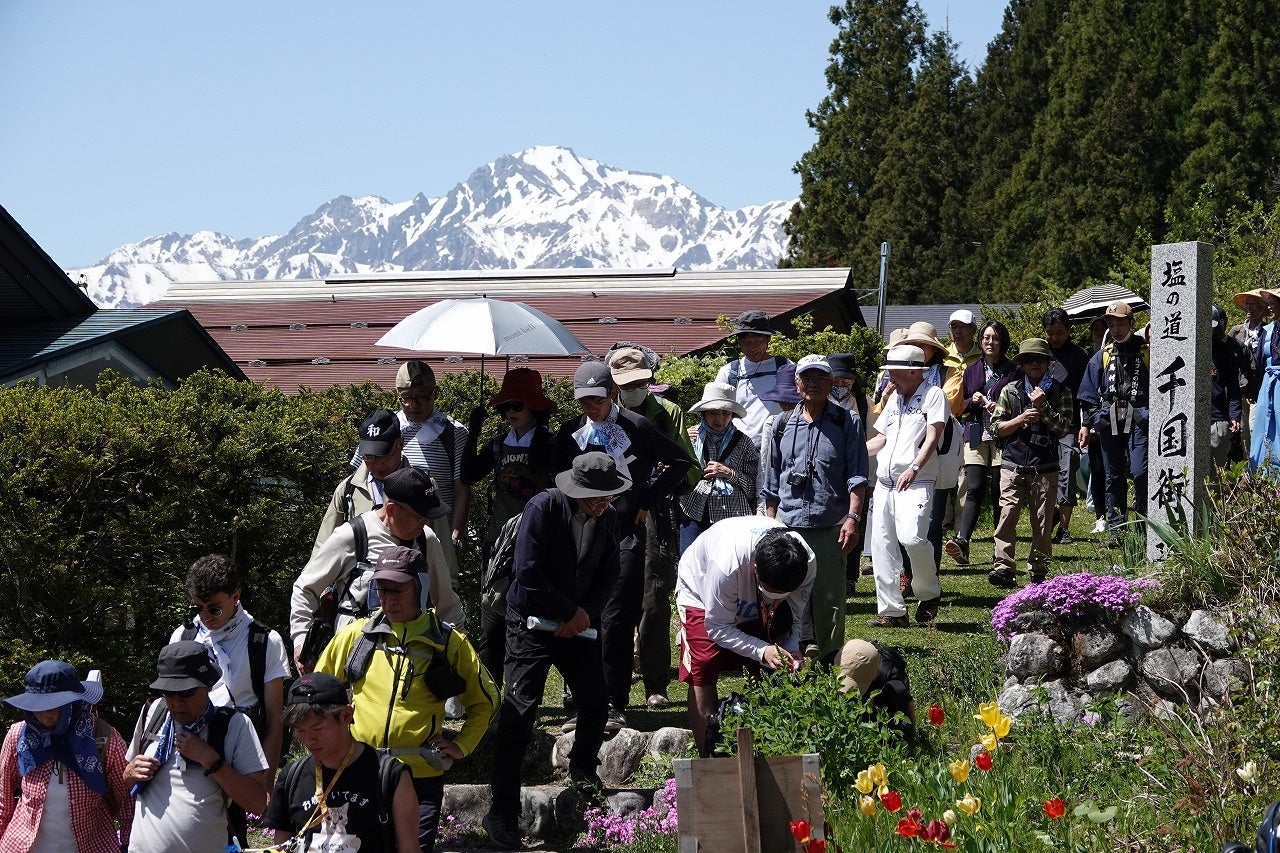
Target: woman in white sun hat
x=729 y=462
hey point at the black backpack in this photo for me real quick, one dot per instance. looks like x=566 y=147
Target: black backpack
x=496 y=579
x=158 y=712
x=389 y=770
x=893 y=666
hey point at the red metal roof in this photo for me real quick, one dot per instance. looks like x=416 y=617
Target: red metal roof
x=276 y=342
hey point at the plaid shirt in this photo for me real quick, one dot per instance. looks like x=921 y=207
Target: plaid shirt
x=92 y=822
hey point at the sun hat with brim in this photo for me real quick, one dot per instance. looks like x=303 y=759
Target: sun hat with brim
x=844 y=365
x=922 y=333
x=525 y=385
x=752 y=323
x=719 y=397
x=51 y=684
x=1034 y=347
x=904 y=357
x=784 y=390
x=895 y=338
x=1240 y=298
x=859 y=664
x=593 y=475
x=182 y=666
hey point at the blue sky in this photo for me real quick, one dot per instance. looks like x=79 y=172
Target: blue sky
x=128 y=119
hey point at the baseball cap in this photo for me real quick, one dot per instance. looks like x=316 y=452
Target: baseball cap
x=592 y=379
x=1119 y=309
x=399 y=564
x=813 y=362
x=317 y=688
x=628 y=365
x=379 y=433
x=412 y=487
x=964 y=315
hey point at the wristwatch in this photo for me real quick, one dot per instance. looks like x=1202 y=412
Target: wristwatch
x=215 y=766
x=915 y=467
x=854 y=516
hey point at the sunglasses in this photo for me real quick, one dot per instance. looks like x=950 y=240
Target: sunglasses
x=389 y=591
x=510 y=406
x=213 y=610
x=181 y=694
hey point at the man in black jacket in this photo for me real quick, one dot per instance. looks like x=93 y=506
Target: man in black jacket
x=638 y=448
x=566 y=561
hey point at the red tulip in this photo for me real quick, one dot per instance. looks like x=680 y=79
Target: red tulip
x=983 y=760
x=909 y=828
x=800 y=829
x=936 y=716
x=1055 y=808
x=892 y=800
x=815 y=845
x=937 y=831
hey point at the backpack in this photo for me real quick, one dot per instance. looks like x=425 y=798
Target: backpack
x=158 y=712
x=893 y=666
x=440 y=678
x=735 y=370
x=389 y=770
x=496 y=579
x=258 y=635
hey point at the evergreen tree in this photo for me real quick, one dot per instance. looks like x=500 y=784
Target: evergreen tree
x=917 y=201
x=869 y=79
x=1233 y=129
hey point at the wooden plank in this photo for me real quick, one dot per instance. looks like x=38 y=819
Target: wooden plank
x=747 y=791
x=709 y=816
x=683 y=768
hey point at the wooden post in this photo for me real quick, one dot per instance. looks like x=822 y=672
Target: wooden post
x=747 y=790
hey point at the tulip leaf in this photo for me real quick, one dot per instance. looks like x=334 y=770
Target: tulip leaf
x=1104 y=815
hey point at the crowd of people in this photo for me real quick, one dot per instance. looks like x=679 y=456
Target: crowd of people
x=750 y=511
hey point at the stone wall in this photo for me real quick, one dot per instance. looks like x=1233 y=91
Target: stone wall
x=1150 y=662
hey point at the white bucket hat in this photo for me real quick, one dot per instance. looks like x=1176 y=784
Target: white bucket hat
x=904 y=357
x=717 y=396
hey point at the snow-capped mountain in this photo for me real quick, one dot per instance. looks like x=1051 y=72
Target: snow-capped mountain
x=543 y=208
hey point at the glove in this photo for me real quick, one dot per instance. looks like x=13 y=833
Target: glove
x=476 y=420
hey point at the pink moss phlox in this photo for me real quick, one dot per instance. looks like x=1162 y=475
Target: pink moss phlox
x=659 y=819
x=1073 y=596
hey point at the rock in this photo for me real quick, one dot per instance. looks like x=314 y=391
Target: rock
x=1063 y=705
x=1221 y=677
x=1147 y=628
x=1170 y=671
x=468 y=804
x=1017 y=701
x=620 y=756
x=626 y=803
x=1033 y=655
x=1208 y=631
x=1096 y=644
x=1110 y=676
x=671 y=742
x=538 y=810
x=569 y=809
x=1035 y=622
x=560 y=752
x=538 y=754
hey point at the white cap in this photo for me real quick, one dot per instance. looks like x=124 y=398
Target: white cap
x=813 y=362
x=964 y=315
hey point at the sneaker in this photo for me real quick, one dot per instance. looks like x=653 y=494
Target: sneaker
x=883 y=621
x=614 y=722
x=1057 y=536
x=927 y=611
x=570 y=725
x=958 y=550
x=810 y=650
x=1064 y=537
x=1100 y=526
x=1003 y=578
x=588 y=785
x=502 y=832
x=657 y=701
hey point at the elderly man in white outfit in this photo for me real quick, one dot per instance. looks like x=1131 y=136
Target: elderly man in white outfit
x=909 y=426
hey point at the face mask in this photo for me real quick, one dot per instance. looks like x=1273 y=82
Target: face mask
x=633 y=397
x=840 y=394
x=770 y=596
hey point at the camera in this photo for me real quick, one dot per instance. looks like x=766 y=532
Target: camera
x=798 y=479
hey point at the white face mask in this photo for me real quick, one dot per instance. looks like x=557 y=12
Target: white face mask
x=770 y=596
x=634 y=397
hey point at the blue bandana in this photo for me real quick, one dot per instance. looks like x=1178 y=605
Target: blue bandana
x=69 y=742
x=164 y=749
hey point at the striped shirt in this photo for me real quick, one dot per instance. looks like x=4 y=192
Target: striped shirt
x=432 y=456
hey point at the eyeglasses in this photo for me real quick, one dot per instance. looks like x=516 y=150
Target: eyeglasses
x=384 y=591
x=418 y=399
x=815 y=380
x=213 y=610
x=510 y=406
x=181 y=694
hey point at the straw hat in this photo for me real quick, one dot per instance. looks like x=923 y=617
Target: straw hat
x=922 y=333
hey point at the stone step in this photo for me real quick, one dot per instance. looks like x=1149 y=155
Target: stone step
x=547 y=812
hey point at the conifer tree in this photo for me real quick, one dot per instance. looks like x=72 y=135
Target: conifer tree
x=869 y=79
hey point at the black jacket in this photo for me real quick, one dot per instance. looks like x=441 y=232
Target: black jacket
x=547 y=578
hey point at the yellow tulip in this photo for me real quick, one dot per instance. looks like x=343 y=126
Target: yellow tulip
x=867 y=806
x=959 y=770
x=969 y=805
x=863 y=782
x=989 y=713
x=989 y=741
x=879 y=775
x=882 y=790
x=1002 y=726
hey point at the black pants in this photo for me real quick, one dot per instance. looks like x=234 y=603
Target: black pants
x=654 y=637
x=621 y=616
x=491 y=645
x=978 y=478
x=530 y=656
x=430 y=793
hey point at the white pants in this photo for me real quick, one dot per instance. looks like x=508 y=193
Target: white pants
x=902 y=519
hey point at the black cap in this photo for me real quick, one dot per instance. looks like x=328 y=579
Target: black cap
x=592 y=379
x=379 y=433
x=317 y=688
x=844 y=365
x=752 y=322
x=412 y=487
x=184 y=665
x=399 y=564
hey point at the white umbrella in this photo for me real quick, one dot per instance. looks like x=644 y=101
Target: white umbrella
x=482 y=326
x=1093 y=301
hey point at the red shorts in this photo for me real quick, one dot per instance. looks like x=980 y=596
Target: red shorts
x=701 y=660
